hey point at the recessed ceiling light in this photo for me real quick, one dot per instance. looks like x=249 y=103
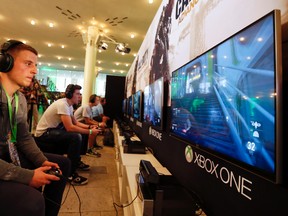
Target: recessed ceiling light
x=150 y=1
x=132 y=36
x=62 y=46
x=74 y=67
x=49 y=64
x=93 y=21
x=33 y=22
x=127 y=65
x=117 y=63
x=49 y=44
x=69 y=59
x=59 y=57
x=51 y=25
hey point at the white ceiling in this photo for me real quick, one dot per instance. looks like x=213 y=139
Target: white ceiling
x=120 y=18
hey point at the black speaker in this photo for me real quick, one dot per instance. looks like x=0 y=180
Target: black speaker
x=6 y=60
x=69 y=91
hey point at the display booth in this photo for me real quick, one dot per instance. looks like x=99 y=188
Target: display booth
x=206 y=94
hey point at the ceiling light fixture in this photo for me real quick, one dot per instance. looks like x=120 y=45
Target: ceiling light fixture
x=120 y=47
x=102 y=45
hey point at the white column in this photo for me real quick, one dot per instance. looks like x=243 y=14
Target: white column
x=90 y=62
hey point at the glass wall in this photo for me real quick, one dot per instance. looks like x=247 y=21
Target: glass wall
x=57 y=80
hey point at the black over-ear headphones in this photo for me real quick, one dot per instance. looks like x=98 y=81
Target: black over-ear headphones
x=6 y=60
x=69 y=91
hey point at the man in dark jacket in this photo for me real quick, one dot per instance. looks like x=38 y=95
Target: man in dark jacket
x=23 y=167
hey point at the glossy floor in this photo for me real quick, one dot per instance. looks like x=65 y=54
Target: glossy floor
x=98 y=196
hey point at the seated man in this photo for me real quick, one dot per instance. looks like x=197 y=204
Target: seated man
x=59 y=132
x=98 y=112
x=23 y=166
x=84 y=114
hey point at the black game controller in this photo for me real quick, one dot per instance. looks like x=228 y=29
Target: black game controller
x=101 y=131
x=54 y=171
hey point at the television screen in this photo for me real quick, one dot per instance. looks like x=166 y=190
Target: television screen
x=137 y=105
x=129 y=106
x=153 y=103
x=124 y=106
x=228 y=100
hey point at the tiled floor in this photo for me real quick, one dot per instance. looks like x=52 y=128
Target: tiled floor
x=98 y=196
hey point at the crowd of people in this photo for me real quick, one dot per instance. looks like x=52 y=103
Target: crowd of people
x=25 y=160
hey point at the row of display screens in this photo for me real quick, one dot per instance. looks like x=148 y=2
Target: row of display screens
x=148 y=108
x=228 y=100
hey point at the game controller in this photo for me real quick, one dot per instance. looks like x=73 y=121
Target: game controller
x=54 y=171
x=100 y=130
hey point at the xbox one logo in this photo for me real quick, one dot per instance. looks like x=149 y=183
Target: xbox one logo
x=155 y=133
x=189 y=154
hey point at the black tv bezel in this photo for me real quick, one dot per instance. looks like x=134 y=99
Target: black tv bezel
x=277 y=176
x=158 y=127
x=124 y=106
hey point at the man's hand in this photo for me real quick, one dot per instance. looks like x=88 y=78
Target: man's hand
x=40 y=178
x=96 y=131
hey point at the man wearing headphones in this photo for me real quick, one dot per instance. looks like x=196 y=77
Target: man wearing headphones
x=59 y=132
x=23 y=167
x=84 y=114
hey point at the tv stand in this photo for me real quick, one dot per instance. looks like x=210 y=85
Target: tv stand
x=167 y=197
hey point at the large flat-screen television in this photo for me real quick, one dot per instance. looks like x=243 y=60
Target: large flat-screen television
x=137 y=105
x=129 y=105
x=153 y=103
x=124 y=106
x=229 y=100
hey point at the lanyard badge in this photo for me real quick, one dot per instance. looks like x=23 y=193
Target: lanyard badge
x=13 y=151
x=12 y=135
